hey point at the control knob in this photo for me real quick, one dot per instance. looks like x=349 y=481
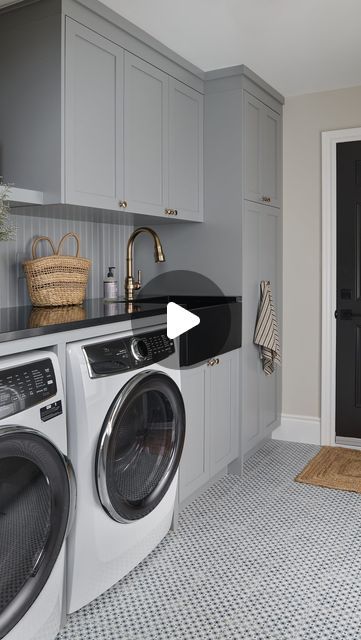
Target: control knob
x=139 y=349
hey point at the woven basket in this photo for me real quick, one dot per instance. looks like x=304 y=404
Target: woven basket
x=56 y=280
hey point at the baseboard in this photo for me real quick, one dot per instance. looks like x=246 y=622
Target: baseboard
x=305 y=429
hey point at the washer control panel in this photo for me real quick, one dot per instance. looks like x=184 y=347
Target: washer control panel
x=24 y=386
x=126 y=354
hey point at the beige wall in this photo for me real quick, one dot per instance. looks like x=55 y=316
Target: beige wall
x=304 y=118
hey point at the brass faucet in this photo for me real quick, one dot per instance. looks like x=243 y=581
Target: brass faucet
x=130 y=284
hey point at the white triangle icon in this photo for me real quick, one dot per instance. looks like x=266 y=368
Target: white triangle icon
x=179 y=320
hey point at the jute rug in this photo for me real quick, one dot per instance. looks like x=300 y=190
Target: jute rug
x=335 y=468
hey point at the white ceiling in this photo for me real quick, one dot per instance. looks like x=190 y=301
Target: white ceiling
x=298 y=46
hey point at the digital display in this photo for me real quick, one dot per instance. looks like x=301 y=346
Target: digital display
x=24 y=386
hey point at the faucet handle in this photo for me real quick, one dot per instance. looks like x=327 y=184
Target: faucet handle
x=138 y=284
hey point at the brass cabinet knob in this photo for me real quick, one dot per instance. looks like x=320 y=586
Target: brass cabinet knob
x=175 y=212
x=123 y=204
x=216 y=361
x=266 y=199
x=171 y=212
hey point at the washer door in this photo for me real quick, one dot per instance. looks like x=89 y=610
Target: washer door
x=140 y=446
x=36 y=499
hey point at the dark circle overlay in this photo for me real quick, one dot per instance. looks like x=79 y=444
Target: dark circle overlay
x=201 y=296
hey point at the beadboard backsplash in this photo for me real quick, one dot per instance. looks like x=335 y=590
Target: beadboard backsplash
x=103 y=244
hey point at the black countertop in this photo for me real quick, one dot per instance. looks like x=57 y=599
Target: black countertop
x=27 y=322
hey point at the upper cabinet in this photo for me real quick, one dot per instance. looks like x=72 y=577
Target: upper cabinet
x=163 y=143
x=145 y=137
x=108 y=129
x=185 y=151
x=262 y=148
x=93 y=119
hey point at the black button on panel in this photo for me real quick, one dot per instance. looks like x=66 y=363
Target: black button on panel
x=51 y=411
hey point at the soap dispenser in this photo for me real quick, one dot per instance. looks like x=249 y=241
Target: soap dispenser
x=110 y=285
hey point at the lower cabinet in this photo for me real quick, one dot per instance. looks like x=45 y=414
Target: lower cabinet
x=211 y=396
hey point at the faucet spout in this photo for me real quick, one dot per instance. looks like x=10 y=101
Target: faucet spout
x=130 y=284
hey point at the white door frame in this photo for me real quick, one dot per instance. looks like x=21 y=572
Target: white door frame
x=328 y=347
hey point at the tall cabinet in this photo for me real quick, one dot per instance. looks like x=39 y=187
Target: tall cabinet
x=247 y=114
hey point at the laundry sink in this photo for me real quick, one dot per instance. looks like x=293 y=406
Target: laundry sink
x=219 y=330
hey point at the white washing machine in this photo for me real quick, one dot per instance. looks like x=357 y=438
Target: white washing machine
x=37 y=496
x=126 y=424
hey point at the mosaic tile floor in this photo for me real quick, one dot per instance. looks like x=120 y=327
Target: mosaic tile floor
x=257 y=558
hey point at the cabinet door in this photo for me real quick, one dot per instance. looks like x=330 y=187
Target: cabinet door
x=223 y=410
x=262 y=152
x=260 y=398
x=146 y=137
x=252 y=147
x=93 y=118
x=269 y=245
x=194 y=465
x=271 y=156
x=185 y=151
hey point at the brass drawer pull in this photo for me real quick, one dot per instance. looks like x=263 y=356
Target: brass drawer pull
x=123 y=204
x=211 y=362
x=266 y=199
x=171 y=212
x=216 y=361
x=175 y=212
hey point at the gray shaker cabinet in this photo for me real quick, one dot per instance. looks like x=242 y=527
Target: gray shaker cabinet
x=241 y=242
x=210 y=393
x=262 y=152
x=261 y=254
x=223 y=408
x=194 y=465
x=93 y=119
x=145 y=137
x=103 y=119
x=163 y=152
x=185 y=151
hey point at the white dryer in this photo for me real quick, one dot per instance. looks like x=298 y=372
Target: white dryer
x=126 y=422
x=37 y=496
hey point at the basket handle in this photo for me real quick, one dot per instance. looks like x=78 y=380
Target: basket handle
x=36 y=242
x=71 y=234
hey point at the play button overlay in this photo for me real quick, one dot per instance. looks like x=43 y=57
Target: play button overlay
x=179 y=320
x=194 y=308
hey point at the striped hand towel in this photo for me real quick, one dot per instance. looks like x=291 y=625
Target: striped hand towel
x=266 y=332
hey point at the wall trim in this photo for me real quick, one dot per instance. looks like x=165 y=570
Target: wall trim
x=305 y=429
x=328 y=338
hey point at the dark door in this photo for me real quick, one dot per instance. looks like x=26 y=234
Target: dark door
x=35 y=503
x=140 y=446
x=348 y=314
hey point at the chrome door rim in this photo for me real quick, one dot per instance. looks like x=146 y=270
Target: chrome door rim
x=103 y=446
x=16 y=442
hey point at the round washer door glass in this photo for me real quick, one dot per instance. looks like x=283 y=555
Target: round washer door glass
x=140 y=446
x=35 y=501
